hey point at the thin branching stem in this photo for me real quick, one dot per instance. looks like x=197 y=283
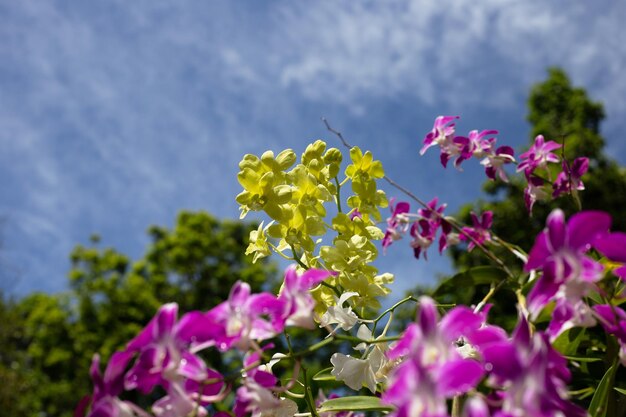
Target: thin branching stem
x=393 y=307
x=297 y=258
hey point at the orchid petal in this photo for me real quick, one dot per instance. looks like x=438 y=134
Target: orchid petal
x=460 y=321
x=556 y=229
x=476 y=407
x=459 y=376
x=427 y=316
x=114 y=373
x=584 y=228
x=613 y=246
x=192 y=367
x=539 y=252
x=196 y=328
x=406 y=342
x=541 y=294
x=165 y=320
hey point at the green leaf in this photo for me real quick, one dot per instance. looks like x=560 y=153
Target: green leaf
x=582 y=359
x=324 y=375
x=567 y=343
x=620 y=390
x=598 y=405
x=357 y=403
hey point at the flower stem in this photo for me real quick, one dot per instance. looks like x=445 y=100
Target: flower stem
x=297 y=258
x=393 y=307
x=338 y=195
x=308 y=395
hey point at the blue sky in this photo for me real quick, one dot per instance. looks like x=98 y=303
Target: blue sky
x=114 y=115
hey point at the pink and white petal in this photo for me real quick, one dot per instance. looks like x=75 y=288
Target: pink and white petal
x=428 y=316
x=591 y=271
x=475 y=407
x=239 y=293
x=165 y=320
x=192 y=367
x=265 y=379
x=556 y=229
x=541 y=294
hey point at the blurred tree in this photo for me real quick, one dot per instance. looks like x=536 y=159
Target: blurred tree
x=16 y=381
x=111 y=299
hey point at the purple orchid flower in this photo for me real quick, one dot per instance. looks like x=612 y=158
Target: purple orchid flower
x=443 y=136
x=533 y=192
x=443 y=130
x=529 y=375
x=240 y=319
x=297 y=299
x=185 y=395
x=434 y=214
x=613 y=319
x=356 y=214
x=256 y=395
x=538 y=156
x=397 y=224
x=569 y=180
x=478 y=145
x=433 y=370
x=495 y=161
x=105 y=401
x=568 y=275
x=423 y=233
x=613 y=246
x=166 y=349
x=479 y=233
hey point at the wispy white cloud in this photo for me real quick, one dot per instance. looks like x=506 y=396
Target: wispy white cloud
x=455 y=52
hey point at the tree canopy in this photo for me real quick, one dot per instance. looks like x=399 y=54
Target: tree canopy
x=47 y=340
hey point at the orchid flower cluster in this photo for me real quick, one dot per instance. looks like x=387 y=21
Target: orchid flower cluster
x=428 y=222
x=166 y=353
x=534 y=163
x=480 y=145
x=450 y=362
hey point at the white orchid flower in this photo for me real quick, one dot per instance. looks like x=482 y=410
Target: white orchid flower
x=358 y=372
x=344 y=317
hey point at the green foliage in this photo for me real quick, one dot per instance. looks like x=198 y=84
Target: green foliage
x=198 y=261
x=47 y=346
x=17 y=382
x=354 y=403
